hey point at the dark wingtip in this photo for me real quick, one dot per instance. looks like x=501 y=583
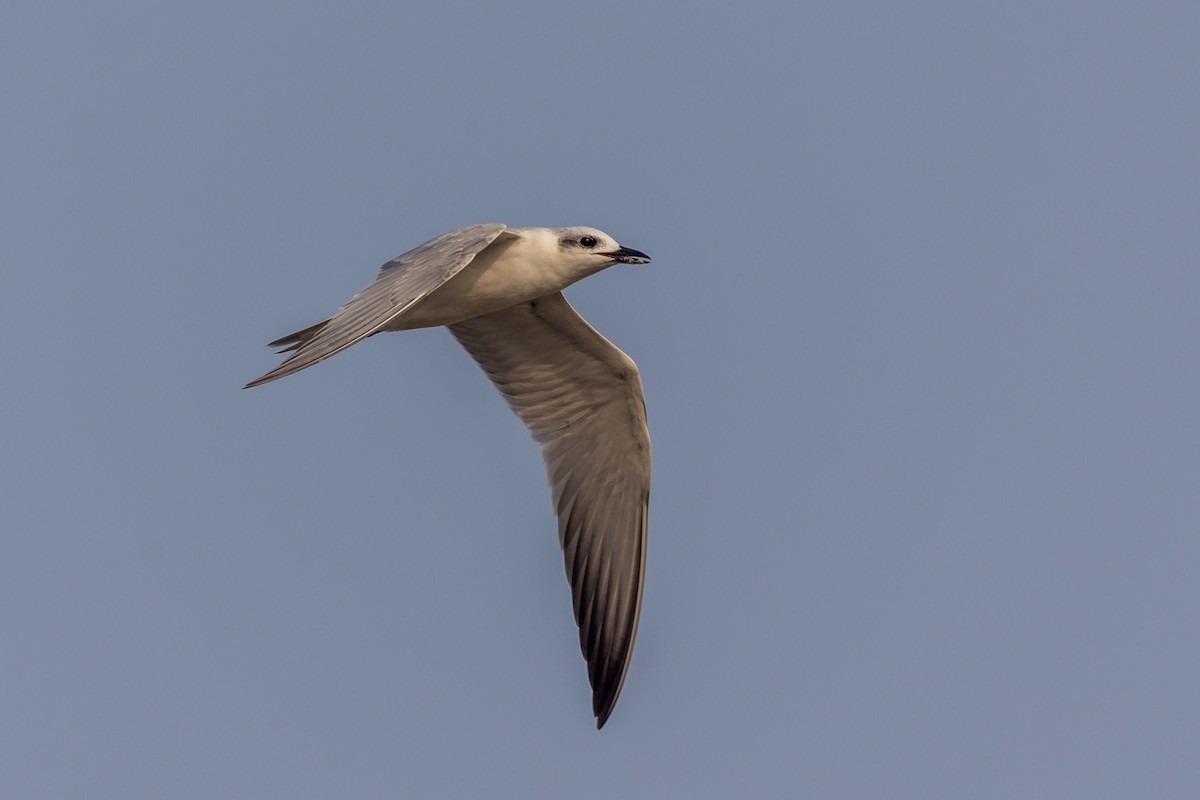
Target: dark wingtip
x=604 y=700
x=289 y=343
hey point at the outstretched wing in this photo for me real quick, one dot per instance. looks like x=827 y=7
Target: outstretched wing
x=581 y=398
x=401 y=282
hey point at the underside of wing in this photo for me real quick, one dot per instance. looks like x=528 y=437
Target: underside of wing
x=581 y=398
x=401 y=283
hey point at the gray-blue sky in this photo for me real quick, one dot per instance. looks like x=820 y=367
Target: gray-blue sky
x=920 y=352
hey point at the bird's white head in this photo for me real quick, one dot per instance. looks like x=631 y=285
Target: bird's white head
x=589 y=244
x=581 y=250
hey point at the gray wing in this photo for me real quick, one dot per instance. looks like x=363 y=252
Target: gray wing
x=581 y=398
x=401 y=282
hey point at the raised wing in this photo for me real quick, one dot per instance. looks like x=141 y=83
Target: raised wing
x=401 y=282
x=581 y=398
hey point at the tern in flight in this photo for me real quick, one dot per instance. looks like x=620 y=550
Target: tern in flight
x=499 y=291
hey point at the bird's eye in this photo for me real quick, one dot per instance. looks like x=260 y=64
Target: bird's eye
x=587 y=241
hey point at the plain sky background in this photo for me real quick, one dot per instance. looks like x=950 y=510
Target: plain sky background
x=921 y=353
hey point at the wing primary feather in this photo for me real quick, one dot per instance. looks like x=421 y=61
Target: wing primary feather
x=400 y=284
x=581 y=399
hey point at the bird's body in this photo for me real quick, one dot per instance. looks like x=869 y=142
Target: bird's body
x=498 y=291
x=521 y=264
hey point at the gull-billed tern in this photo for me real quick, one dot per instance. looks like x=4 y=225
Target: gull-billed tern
x=498 y=290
